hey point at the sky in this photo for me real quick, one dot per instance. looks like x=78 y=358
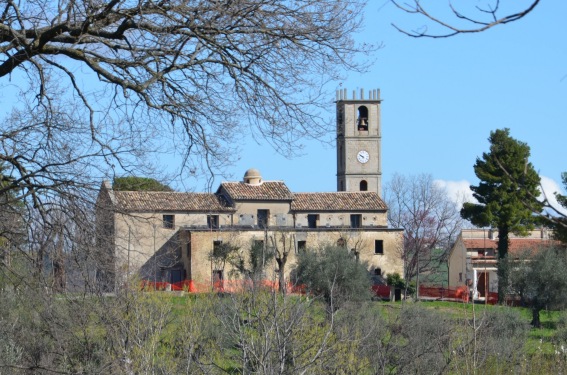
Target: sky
x=441 y=100
x=443 y=97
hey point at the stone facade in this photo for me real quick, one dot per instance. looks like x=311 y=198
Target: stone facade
x=165 y=236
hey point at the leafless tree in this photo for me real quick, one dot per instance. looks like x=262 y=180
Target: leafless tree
x=282 y=244
x=106 y=88
x=110 y=76
x=464 y=21
x=429 y=218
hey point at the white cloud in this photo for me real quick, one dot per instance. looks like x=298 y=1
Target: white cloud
x=550 y=187
x=458 y=191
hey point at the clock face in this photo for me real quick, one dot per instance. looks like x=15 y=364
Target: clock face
x=363 y=156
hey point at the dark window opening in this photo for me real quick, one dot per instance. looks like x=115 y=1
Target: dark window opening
x=258 y=243
x=263 y=216
x=355 y=221
x=213 y=221
x=169 y=221
x=312 y=221
x=378 y=271
x=362 y=121
x=301 y=246
x=363 y=185
x=217 y=247
x=378 y=247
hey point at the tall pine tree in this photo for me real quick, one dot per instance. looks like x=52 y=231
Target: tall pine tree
x=508 y=186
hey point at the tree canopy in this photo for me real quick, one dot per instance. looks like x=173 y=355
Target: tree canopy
x=334 y=273
x=112 y=88
x=539 y=278
x=119 y=81
x=133 y=183
x=502 y=202
x=429 y=218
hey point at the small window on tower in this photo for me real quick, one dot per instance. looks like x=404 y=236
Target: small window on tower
x=363 y=185
x=362 y=121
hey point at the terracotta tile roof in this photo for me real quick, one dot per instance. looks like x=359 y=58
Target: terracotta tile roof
x=515 y=247
x=266 y=191
x=154 y=201
x=338 y=201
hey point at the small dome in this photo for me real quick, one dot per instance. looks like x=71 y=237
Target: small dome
x=252 y=177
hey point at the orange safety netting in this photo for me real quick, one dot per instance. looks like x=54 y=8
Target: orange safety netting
x=460 y=293
x=223 y=286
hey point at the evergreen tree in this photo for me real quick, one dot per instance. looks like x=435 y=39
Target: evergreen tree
x=506 y=194
x=559 y=220
x=134 y=183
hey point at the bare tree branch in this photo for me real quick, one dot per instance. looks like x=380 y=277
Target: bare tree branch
x=451 y=29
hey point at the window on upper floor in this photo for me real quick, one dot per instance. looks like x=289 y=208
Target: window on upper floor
x=263 y=218
x=213 y=221
x=355 y=221
x=169 y=221
x=312 y=220
x=378 y=247
x=363 y=185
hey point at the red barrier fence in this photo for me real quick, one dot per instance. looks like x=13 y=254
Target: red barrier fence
x=460 y=293
x=383 y=291
x=222 y=286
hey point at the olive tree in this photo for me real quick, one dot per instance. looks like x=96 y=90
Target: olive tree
x=335 y=274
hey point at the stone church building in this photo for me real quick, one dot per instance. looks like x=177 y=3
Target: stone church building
x=170 y=236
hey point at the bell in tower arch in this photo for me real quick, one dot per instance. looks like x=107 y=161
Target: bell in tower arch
x=362 y=121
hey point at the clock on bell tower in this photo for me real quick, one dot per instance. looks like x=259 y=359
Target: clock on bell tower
x=359 y=164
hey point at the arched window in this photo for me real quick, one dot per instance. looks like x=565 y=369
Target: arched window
x=362 y=121
x=363 y=185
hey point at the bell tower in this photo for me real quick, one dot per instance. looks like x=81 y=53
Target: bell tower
x=359 y=135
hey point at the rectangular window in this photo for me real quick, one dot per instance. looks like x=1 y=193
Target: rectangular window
x=301 y=246
x=217 y=247
x=312 y=220
x=169 y=221
x=258 y=244
x=378 y=247
x=263 y=216
x=213 y=221
x=355 y=221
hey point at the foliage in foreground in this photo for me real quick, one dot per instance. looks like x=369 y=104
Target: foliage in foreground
x=261 y=332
